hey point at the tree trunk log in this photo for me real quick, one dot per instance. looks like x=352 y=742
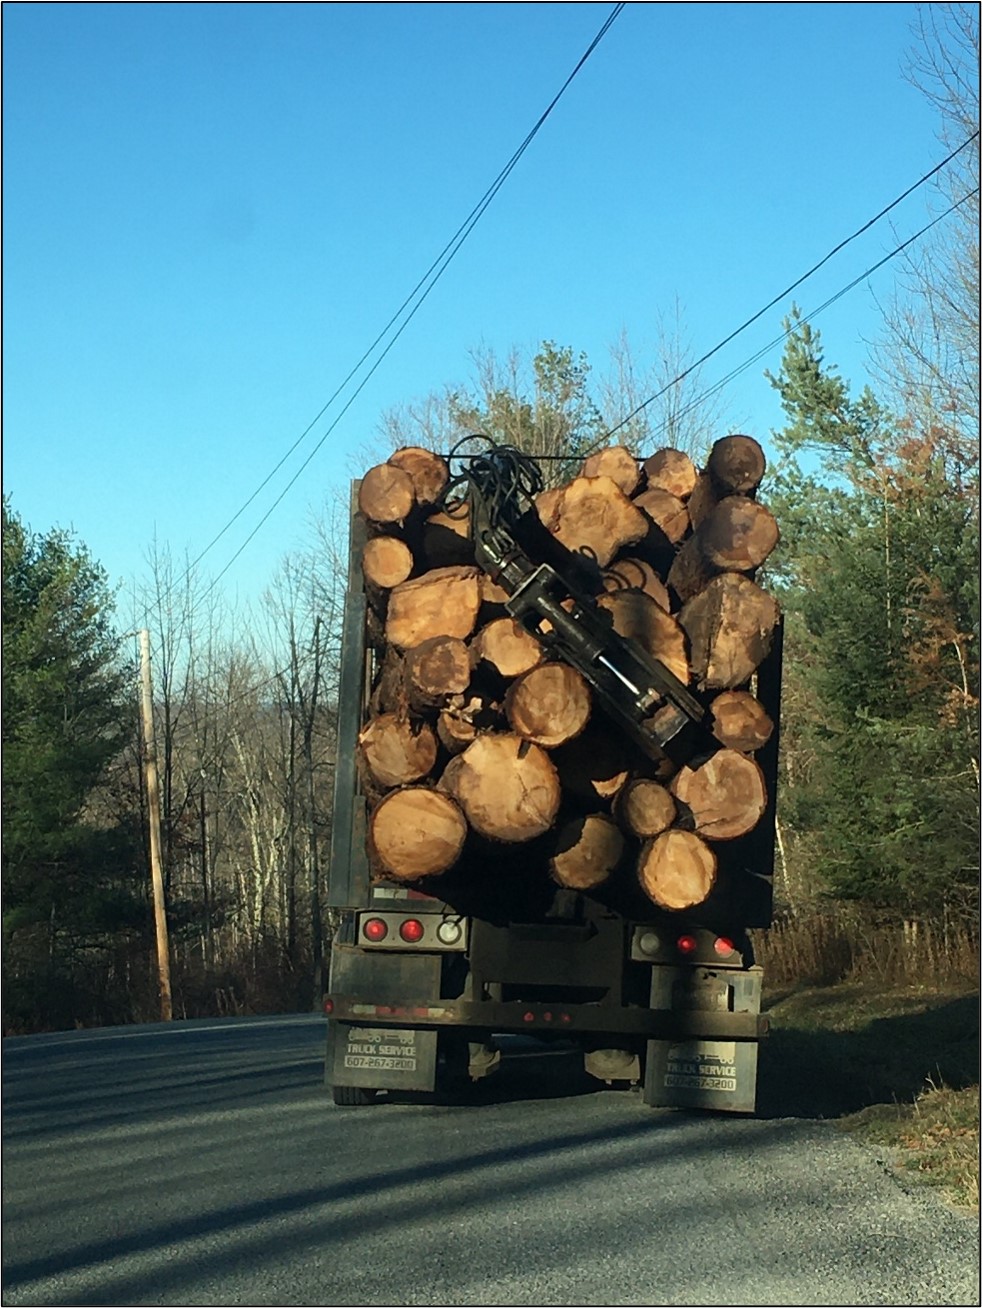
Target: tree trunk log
x=594 y=765
x=595 y=517
x=644 y=808
x=588 y=850
x=677 y=870
x=671 y=471
x=666 y=511
x=387 y=561
x=736 y=465
x=507 y=787
x=636 y=574
x=460 y=723
x=443 y=602
x=386 y=494
x=740 y=721
x=737 y=536
x=616 y=462
x=730 y=625
x=429 y=473
x=446 y=540
x=507 y=647
x=395 y=752
x=726 y=795
x=416 y=832
x=549 y=705
x=640 y=618
x=435 y=670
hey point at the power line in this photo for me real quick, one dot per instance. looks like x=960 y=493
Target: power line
x=766 y=349
x=793 y=287
x=427 y=281
x=723 y=381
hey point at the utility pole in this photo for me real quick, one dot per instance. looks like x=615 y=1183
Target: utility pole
x=153 y=804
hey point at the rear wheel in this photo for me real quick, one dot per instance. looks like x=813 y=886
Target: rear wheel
x=353 y=1096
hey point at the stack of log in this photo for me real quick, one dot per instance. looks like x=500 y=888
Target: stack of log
x=473 y=728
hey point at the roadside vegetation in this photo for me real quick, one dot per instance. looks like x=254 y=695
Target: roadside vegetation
x=882 y=1037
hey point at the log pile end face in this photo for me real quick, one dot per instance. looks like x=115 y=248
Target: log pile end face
x=588 y=851
x=593 y=516
x=468 y=731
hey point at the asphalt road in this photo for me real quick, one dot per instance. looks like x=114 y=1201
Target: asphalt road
x=202 y=1163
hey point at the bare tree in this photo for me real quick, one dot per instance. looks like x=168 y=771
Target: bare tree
x=928 y=360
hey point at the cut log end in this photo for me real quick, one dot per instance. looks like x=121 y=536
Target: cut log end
x=415 y=833
x=645 y=808
x=443 y=602
x=427 y=471
x=386 y=494
x=677 y=870
x=387 y=562
x=507 y=787
x=549 y=705
x=395 y=752
x=588 y=850
x=726 y=795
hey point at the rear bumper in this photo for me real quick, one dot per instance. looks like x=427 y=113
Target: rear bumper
x=511 y=1016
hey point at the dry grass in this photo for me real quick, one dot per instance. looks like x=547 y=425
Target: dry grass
x=840 y=944
x=935 y=1139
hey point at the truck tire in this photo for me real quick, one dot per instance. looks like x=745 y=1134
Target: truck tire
x=353 y=1096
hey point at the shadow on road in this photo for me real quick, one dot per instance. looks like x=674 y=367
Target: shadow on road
x=817 y=1072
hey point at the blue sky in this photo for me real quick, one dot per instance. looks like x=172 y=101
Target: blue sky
x=210 y=211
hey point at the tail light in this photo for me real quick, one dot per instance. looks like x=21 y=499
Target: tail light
x=724 y=947
x=375 y=929
x=411 y=930
x=687 y=945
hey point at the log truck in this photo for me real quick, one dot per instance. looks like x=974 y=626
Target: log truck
x=426 y=975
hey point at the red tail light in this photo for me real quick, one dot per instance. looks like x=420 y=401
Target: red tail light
x=687 y=944
x=375 y=929
x=411 y=930
x=724 y=947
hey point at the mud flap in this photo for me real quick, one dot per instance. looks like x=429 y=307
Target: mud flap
x=693 y=1073
x=371 y=1055
x=381 y=1058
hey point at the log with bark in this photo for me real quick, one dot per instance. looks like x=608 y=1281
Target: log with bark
x=474 y=727
x=677 y=870
x=442 y=602
x=416 y=832
x=735 y=466
x=508 y=787
x=396 y=751
x=550 y=705
x=725 y=796
x=593 y=516
x=730 y=625
x=736 y=536
x=386 y=562
x=740 y=721
x=587 y=852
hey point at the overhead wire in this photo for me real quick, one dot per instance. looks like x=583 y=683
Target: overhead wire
x=422 y=290
x=786 y=292
x=747 y=363
x=805 y=318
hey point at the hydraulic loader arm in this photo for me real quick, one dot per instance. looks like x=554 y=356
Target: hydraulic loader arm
x=550 y=592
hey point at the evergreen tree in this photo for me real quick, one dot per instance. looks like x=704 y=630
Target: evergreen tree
x=879 y=569
x=67 y=864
